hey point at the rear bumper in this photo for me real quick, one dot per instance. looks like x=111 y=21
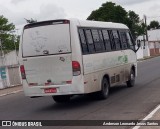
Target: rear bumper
x=68 y=89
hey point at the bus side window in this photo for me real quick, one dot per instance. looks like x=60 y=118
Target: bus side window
x=89 y=41
x=123 y=38
x=83 y=41
x=106 y=40
x=130 y=41
x=116 y=39
x=96 y=40
x=101 y=40
x=113 y=45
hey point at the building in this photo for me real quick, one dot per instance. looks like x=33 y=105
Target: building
x=9 y=70
x=150 y=47
x=154 y=42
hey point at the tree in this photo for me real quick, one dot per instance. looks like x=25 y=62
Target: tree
x=110 y=12
x=141 y=29
x=136 y=26
x=5 y=34
x=12 y=44
x=153 y=25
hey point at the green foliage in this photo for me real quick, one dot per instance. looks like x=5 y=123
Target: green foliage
x=141 y=29
x=11 y=43
x=7 y=39
x=110 y=12
x=153 y=25
x=17 y=41
x=136 y=26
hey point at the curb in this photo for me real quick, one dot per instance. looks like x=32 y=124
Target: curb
x=11 y=90
x=147 y=58
x=14 y=92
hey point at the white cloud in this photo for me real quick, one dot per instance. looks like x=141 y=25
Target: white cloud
x=17 y=10
x=17 y=1
x=130 y=2
x=44 y=12
x=50 y=11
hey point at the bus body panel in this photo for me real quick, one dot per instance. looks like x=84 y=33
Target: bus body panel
x=67 y=89
x=131 y=61
x=98 y=65
x=54 y=69
x=47 y=54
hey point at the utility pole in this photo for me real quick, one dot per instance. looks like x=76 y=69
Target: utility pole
x=13 y=39
x=1 y=55
x=145 y=22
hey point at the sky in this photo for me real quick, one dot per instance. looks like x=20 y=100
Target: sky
x=17 y=10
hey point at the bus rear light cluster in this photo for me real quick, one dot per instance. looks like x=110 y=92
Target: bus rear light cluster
x=76 y=68
x=22 y=72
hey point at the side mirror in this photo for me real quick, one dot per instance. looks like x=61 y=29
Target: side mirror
x=138 y=45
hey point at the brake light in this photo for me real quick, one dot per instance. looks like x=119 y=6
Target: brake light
x=76 y=68
x=22 y=72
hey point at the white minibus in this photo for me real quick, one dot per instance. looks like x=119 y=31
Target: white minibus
x=62 y=58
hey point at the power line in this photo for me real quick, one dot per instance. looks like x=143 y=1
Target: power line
x=153 y=16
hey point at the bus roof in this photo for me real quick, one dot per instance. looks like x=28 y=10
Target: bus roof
x=87 y=23
x=82 y=23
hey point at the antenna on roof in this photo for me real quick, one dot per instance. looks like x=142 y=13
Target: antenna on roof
x=30 y=21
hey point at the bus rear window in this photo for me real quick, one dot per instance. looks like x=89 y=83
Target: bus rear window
x=46 y=40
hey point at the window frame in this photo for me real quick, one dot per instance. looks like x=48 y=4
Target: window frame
x=82 y=44
x=96 y=43
x=131 y=38
x=123 y=31
x=106 y=40
x=112 y=42
x=117 y=40
x=89 y=44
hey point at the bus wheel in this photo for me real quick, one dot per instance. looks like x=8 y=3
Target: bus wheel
x=103 y=94
x=61 y=98
x=131 y=81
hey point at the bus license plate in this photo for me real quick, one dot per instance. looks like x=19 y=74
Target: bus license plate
x=50 y=90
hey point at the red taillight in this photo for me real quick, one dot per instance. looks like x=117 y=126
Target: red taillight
x=23 y=72
x=69 y=82
x=76 y=68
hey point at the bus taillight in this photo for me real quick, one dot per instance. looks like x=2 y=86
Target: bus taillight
x=22 y=72
x=76 y=68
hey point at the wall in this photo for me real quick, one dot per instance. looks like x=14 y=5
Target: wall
x=154 y=48
x=143 y=50
x=146 y=51
x=12 y=77
x=11 y=58
x=140 y=53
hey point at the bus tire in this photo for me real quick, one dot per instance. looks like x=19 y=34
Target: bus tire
x=104 y=93
x=61 y=98
x=131 y=81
